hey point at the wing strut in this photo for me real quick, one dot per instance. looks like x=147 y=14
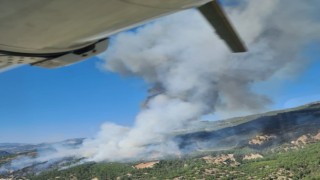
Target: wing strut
x=218 y=19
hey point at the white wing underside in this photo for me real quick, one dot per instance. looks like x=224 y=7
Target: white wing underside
x=8 y=62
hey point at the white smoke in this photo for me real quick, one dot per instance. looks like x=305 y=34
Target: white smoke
x=194 y=73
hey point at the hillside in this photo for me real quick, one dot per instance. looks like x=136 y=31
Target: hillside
x=302 y=163
x=284 y=126
x=274 y=145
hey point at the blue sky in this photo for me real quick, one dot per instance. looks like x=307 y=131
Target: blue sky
x=41 y=104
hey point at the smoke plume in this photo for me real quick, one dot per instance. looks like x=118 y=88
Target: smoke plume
x=194 y=73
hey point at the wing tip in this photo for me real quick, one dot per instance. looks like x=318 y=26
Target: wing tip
x=216 y=16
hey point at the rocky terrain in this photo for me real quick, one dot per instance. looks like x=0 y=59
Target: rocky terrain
x=275 y=145
x=146 y=165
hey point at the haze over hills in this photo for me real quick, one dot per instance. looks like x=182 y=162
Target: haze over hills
x=256 y=135
x=14 y=148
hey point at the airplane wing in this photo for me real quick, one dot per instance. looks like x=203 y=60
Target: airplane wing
x=57 y=33
x=217 y=18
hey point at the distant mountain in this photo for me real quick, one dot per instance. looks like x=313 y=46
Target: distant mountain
x=4 y=153
x=16 y=148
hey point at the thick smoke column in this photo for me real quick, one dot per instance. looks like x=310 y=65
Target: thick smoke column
x=193 y=72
